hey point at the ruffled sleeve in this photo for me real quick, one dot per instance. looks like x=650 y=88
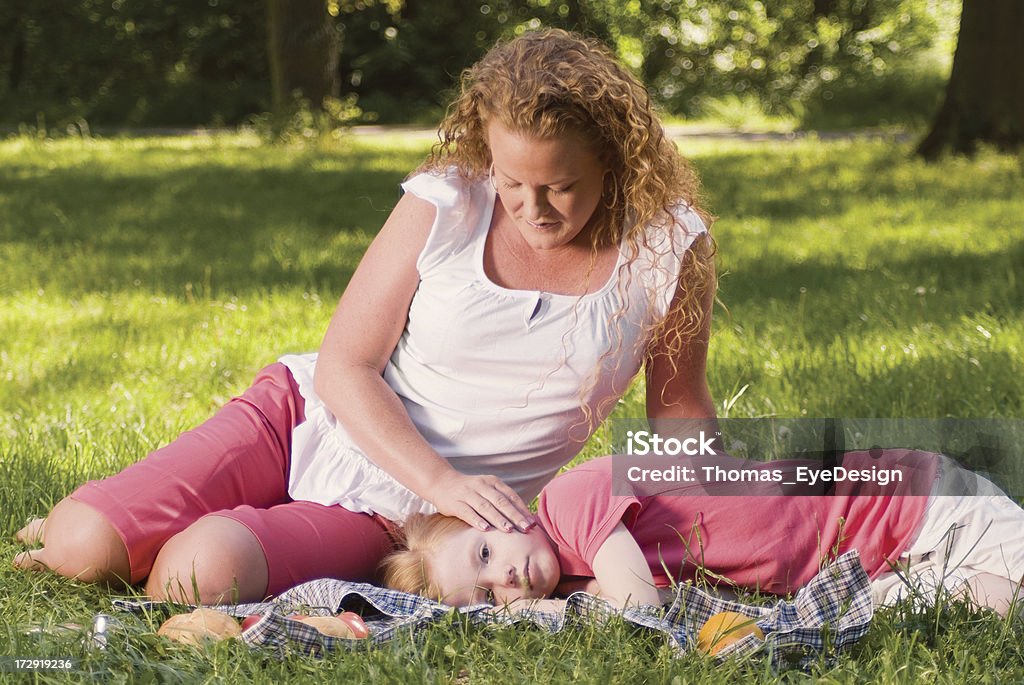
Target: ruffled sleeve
x=458 y=213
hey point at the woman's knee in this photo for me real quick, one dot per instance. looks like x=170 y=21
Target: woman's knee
x=79 y=542
x=216 y=560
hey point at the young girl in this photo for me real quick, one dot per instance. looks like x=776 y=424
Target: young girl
x=627 y=548
x=550 y=248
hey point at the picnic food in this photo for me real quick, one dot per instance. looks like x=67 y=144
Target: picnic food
x=250 y=620
x=355 y=622
x=725 y=628
x=335 y=626
x=199 y=626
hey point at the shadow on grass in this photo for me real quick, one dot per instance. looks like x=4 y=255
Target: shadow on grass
x=908 y=386
x=801 y=180
x=852 y=192
x=216 y=226
x=212 y=229
x=827 y=300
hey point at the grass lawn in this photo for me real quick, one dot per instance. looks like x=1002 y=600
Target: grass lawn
x=143 y=282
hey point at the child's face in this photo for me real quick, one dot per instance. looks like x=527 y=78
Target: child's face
x=473 y=566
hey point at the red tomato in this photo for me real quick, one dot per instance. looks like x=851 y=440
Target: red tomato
x=355 y=623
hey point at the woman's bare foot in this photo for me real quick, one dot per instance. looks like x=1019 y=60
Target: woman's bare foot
x=32 y=533
x=32 y=560
x=79 y=542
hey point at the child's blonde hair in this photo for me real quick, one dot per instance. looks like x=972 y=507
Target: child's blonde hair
x=408 y=568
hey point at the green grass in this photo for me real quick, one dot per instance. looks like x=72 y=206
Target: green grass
x=144 y=281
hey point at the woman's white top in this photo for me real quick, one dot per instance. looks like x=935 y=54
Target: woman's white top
x=491 y=377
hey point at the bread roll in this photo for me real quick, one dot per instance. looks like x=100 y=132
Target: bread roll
x=200 y=626
x=332 y=626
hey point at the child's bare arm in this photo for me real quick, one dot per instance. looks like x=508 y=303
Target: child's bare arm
x=622 y=572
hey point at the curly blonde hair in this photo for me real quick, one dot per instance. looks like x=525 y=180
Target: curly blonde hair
x=546 y=83
x=408 y=567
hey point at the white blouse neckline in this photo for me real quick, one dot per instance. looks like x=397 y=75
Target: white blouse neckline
x=480 y=234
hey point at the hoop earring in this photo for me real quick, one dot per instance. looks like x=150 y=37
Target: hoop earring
x=490 y=177
x=610 y=206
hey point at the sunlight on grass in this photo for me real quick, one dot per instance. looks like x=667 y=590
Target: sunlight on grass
x=144 y=281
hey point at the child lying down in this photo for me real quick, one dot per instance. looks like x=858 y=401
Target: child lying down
x=628 y=548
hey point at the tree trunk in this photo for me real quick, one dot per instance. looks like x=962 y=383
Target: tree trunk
x=302 y=45
x=985 y=95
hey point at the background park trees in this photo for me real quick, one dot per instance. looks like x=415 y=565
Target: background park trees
x=833 y=63
x=984 y=99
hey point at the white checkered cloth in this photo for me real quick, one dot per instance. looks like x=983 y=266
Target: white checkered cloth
x=830 y=613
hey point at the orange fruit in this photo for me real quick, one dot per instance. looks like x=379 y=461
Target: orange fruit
x=723 y=629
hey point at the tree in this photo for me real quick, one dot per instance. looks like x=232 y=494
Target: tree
x=112 y=62
x=302 y=44
x=984 y=99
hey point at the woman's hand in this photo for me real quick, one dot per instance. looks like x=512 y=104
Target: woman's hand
x=481 y=501
x=359 y=342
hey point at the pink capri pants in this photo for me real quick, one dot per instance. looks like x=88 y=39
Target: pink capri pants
x=236 y=465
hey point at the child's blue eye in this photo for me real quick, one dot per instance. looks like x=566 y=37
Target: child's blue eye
x=485 y=553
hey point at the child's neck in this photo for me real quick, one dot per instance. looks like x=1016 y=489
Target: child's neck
x=570 y=584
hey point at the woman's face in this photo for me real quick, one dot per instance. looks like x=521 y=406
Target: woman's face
x=495 y=567
x=550 y=187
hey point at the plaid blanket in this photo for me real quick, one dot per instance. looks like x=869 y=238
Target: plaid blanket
x=830 y=613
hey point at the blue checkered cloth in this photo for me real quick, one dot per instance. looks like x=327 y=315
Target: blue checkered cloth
x=827 y=615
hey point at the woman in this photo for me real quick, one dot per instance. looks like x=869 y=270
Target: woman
x=550 y=247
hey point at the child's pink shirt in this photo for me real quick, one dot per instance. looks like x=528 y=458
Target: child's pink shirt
x=774 y=543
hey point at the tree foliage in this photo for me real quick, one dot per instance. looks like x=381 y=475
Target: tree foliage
x=165 y=62
x=131 y=63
